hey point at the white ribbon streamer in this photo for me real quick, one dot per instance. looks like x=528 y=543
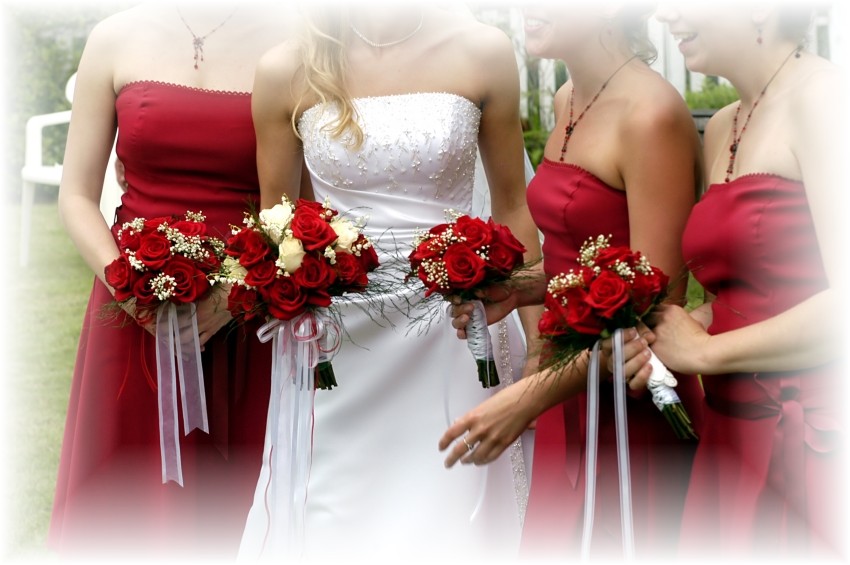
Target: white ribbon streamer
x=298 y=347
x=178 y=352
x=622 y=434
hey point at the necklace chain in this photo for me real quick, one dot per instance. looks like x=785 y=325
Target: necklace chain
x=571 y=125
x=388 y=43
x=736 y=137
x=198 y=42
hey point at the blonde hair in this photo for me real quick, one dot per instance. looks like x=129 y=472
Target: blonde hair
x=324 y=65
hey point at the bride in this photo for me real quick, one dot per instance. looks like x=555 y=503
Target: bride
x=388 y=107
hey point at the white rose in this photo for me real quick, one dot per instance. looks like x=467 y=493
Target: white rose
x=234 y=269
x=275 y=220
x=291 y=253
x=346 y=233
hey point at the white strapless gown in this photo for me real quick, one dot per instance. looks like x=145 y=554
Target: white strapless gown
x=378 y=489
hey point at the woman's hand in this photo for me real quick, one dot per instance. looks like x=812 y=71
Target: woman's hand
x=493 y=425
x=499 y=300
x=636 y=353
x=680 y=339
x=212 y=313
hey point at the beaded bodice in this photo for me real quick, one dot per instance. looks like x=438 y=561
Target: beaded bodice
x=417 y=159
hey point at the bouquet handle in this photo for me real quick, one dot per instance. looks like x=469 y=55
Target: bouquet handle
x=622 y=434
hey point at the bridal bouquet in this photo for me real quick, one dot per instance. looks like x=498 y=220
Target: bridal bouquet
x=165 y=266
x=613 y=287
x=456 y=258
x=287 y=263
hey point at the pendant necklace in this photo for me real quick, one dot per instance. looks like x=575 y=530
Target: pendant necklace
x=736 y=137
x=571 y=125
x=198 y=41
x=388 y=43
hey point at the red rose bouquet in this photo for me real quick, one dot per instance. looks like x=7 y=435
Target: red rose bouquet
x=286 y=265
x=165 y=266
x=460 y=256
x=291 y=260
x=613 y=287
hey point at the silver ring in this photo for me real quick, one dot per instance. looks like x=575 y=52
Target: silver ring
x=466 y=443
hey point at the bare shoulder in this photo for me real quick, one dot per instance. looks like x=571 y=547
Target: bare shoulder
x=280 y=64
x=654 y=106
x=116 y=29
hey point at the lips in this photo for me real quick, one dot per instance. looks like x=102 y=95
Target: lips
x=684 y=37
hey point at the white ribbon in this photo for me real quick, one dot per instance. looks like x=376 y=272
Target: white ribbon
x=297 y=348
x=622 y=434
x=178 y=352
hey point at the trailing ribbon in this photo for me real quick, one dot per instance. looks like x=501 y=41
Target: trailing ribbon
x=298 y=346
x=178 y=352
x=622 y=434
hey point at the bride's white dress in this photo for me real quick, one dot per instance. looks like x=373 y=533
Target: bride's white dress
x=378 y=486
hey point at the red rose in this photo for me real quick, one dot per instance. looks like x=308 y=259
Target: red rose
x=313 y=206
x=319 y=297
x=580 y=315
x=190 y=228
x=475 y=231
x=129 y=240
x=464 y=268
x=143 y=292
x=211 y=263
x=647 y=288
x=350 y=272
x=154 y=250
x=610 y=255
x=439 y=229
x=248 y=246
x=314 y=273
x=553 y=321
x=428 y=249
x=503 y=259
x=189 y=283
x=151 y=225
x=262 y=274
x=368 y=256
x=503 y=234
x=285 y=299
x=242 y=301
x=119 y=275
x=314 y=232
x=607 y=294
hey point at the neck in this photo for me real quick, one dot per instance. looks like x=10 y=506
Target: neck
x=751 y=78
x=589 y=71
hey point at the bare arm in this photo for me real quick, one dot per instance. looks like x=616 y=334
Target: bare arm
x=279 y=153
x=90 y=137
x=501 y=146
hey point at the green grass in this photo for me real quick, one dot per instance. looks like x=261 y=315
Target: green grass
x=47 y=300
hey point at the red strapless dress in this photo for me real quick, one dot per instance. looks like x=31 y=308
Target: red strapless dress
x=570 y=205
x=765 y=473
x=183 y=149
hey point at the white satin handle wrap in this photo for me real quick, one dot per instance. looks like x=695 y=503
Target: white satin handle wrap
x=622 y=434
x=178 y=352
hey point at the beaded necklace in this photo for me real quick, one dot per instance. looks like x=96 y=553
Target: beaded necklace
x=571 y=125
x=736 y=137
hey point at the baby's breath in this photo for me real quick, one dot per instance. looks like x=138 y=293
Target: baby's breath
x=163 y=286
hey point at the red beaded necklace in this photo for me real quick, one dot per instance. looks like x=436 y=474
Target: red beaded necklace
x=571 y=125
x=736 y=137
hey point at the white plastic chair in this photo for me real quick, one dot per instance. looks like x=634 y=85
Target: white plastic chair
x=35 y=172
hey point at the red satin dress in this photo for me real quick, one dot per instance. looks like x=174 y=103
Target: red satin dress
x=765 y=473
x=570 y=205
x=183 y=149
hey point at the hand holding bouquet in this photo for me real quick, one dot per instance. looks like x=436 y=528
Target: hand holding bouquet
x=613 y=287
x=457 y=258
x=165 y=266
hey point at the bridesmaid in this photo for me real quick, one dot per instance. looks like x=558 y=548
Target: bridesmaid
x=765 y=242
x=623 y=159
x=175 y=80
